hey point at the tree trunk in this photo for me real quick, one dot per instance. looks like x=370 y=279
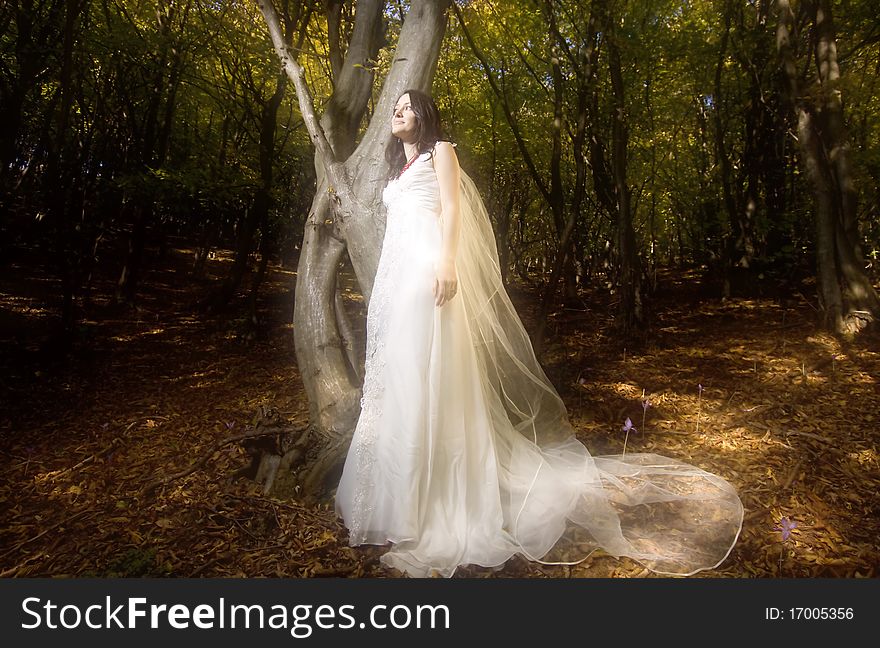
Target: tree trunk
x=322 y=358
x=731 y=204
x=126 y=286
x=847 y=299
x=36 y=30
x=62 y=170
x=154 y=146
x=631 y=311
x=611 y=184
x=345 y=213
x=259 y=211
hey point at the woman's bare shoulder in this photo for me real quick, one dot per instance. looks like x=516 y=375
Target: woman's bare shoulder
x=444 y=152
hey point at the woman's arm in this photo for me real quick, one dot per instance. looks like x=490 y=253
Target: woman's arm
x=448 y=177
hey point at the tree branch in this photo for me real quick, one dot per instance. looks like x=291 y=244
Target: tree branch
x=296 y=74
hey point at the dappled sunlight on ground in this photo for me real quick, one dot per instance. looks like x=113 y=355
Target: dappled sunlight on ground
x=744 y=388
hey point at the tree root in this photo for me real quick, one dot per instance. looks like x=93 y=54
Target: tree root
x=315 y=480
x=254 y=434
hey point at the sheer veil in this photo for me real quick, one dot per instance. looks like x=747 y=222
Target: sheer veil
x=560 y=503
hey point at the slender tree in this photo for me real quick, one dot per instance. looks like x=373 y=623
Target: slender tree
x=171 y=19
x=563 y=198
x=294 y=21
x=848 y=300
x=632 y=314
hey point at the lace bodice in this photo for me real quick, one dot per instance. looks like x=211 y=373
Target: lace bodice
x=416 y=191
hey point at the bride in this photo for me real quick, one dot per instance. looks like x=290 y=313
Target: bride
x=463 y=452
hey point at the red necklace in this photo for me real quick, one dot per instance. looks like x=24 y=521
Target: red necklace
x=408 y=164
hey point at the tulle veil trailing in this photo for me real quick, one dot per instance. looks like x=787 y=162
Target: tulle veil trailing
x=559 y=502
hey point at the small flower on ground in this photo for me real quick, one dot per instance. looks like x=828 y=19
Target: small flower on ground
x=785 y=526
x=646 y=403
x=627 y=427
x=699 y=402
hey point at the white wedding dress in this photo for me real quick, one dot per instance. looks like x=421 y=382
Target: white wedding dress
x=463 y=453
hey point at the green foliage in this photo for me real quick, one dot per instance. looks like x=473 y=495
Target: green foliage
x=671 y=52
x=160 y=103
x=138 y=120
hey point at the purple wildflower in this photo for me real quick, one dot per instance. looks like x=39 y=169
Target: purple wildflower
x=785 y=526
x=627 y=427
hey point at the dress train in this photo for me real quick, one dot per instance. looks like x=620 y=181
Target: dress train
x=463 y=453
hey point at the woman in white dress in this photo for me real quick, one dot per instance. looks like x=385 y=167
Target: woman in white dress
x=463 y=452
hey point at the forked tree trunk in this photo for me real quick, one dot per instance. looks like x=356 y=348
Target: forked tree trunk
x=345 y=214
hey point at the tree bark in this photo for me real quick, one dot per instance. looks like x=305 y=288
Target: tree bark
x=345 y=214
x=847 y=299
x=63 y=169
x=631 y=308
x=731 y=204
x=610 y=180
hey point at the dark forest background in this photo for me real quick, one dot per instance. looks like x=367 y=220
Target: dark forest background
x=742 y=139
x=686 y=198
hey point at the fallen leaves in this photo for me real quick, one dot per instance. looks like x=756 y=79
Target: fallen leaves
x=794 y=433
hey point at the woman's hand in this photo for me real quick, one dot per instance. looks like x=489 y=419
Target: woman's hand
x=449 y=180
x=445 y=283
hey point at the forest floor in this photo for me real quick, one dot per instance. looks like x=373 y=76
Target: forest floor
x=750 y=389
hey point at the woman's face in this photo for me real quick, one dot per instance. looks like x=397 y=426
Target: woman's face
x=403 y=120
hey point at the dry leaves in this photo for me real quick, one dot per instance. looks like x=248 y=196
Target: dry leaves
x=788 y=414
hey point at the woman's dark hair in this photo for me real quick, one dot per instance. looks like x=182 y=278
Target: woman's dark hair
x=428 y=130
